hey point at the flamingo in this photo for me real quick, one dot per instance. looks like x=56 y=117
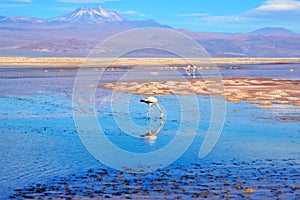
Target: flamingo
x=191 y=68
x=152 y=101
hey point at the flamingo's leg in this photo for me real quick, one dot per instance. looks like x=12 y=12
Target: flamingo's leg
x=148 y=112
x=153 y=113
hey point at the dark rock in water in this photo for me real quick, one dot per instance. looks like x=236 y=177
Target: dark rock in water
x=262 y=180
x=41 y=190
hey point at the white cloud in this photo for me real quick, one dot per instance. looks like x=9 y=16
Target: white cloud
x=193 y=15
x=276 y=10
x=131 y=12
x=279 y=5
x=80 y=1
x=11 y=5
x=85 y=1
x=270 y=10
x=232 y=18
x=280 y=13
x=28 y=1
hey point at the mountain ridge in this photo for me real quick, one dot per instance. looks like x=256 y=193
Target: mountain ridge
x=273 y=31
x=81 y=30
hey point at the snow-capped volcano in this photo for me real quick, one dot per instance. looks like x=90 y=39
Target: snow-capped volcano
x=96 y=15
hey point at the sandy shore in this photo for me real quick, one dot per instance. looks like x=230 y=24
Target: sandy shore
x=68 y=61
x=261 y=91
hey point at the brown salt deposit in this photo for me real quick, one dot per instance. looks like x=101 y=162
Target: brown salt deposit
x=282 y=102
x=261 y=91
x=297 y=103
x=262 y=103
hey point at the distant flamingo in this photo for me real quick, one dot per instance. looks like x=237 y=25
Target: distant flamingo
x=152 y=101
x=190 y=68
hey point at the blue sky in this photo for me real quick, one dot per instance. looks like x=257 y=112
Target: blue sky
x=195 y=15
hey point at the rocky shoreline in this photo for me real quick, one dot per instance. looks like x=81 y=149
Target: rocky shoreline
x=257 y=179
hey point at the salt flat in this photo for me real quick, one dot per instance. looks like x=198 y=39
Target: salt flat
x=69 y=61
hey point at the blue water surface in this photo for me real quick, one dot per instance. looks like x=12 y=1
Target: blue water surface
x=39 y=141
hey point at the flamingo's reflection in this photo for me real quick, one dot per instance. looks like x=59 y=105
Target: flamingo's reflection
x=153 y=130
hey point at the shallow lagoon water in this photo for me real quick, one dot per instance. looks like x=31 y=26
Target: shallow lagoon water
x=280 y=71
x=39 y=142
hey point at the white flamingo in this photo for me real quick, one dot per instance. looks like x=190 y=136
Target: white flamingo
x=152 y=101
x=190 y=68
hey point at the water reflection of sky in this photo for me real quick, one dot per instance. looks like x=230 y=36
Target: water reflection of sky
x=280 y=71
x=38 y=140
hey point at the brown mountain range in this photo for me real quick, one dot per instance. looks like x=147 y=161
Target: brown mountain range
x=77 y=33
